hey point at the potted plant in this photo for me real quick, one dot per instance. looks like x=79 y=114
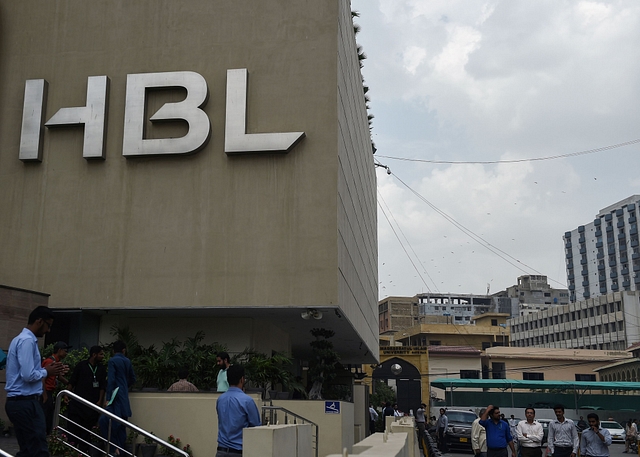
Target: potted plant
x=168 y=452
x=148 y=447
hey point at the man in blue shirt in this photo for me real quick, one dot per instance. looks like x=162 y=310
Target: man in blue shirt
x=24 y=384
x=120 y=376
x=236 y=411
x=498 y=433
x=595 y=440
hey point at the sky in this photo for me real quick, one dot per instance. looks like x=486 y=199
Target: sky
x=494 y=81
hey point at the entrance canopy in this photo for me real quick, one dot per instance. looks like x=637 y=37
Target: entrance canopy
x=451 y=383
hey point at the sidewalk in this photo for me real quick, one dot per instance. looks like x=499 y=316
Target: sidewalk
x=9 y=445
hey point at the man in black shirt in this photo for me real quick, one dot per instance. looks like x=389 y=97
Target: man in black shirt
x=89 y=381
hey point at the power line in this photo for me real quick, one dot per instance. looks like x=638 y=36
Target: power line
x=535 y=159
x=402 y=245
x=477 y=238
x=411 y=247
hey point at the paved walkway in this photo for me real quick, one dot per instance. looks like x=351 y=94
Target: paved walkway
x=9 y=445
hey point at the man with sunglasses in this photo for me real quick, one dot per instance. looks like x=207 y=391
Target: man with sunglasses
x=24 y=383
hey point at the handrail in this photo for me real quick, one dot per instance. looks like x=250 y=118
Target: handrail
x=5 y=454
x=112 y=417
x=287 y=413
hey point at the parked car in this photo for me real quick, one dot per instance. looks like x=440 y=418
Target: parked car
x=545 y=428
x=618 y=434
x=459 y=430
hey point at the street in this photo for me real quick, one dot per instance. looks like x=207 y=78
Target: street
x=615 y=450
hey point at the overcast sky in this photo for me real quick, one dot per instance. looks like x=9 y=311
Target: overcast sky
x=493 y=81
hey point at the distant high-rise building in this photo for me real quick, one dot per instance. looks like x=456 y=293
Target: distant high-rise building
x=603 y=256
x=533 y=294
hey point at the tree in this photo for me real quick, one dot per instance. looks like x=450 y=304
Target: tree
x=322 y=365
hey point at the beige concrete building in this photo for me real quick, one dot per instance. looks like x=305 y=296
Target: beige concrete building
x=548 y=364
x=146 y=183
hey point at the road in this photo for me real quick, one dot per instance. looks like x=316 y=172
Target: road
x=615 y=450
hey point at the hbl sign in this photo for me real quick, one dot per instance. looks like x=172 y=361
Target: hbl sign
x=94 y=117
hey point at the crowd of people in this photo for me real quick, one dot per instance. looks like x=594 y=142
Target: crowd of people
x=31 y=384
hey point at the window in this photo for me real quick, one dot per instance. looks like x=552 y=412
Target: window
x=498 y=370
x=494 y=322
x=435 y=343
x=585 y=377
x=533 y=376
x=469 y=374
x=485 y=345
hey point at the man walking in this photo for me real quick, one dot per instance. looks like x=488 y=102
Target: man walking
x=89 y=381
x=530 y=434
x=563 y=436
x=373 y=417
x=24 y=384
x=595 y=440
x=479 y=437
x=222 y=360
x=120 y=377
x=420 y=423
x=498 y=433
x=441 y=426
x=631 y=431
x=60 y=350
x=236 y=411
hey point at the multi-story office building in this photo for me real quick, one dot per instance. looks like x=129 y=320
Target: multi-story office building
x=604 y=255
x=610 y=321
x=241 y=206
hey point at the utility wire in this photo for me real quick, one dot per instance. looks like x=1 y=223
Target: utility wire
x=411 y=247
x=535 y=159
x=477 y=238
x=402 y=245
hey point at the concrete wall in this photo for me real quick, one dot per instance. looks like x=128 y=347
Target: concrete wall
x=335 y=430
x=191 y=417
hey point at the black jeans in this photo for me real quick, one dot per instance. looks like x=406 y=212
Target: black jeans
x=28 y=421
x=442 y=439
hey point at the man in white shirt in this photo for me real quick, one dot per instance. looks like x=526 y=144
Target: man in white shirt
x=479 y=437
x=563 y=435
x=530 y=434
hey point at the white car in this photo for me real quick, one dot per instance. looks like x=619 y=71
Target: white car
x=618 y=434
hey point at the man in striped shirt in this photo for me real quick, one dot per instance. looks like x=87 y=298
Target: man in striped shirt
x=182 y=385
x=563 y=435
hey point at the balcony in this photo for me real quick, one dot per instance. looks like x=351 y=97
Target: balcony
x=602 y=277
x=624 y=272
x=623 y=248
x=586 y=294
x=601 y=267
x=635 y=256
x=569 y=255
x=585 y=283
x=636 y=268
x=611 y=251
x=623 y=258
x=613 y=275
x=584 y=272
x=609 y=228
x=597 y=222
x=603 y=290
x=614 y=287
x=600 y=255
x=571 y=277
x=626 y=284
x=637 y=280
x=608 y=217
x=581 y=229
x=583 y=261
x=598 y=244
x=568 y=245
x=634 y=243
x=633 y=230
x=583 y=250
x=621 y=236
x=598 y=232
x=612 y=263
x=570 y=265
x=620 y=224
x=632 y=220
x=572 y=287
x=582 y=239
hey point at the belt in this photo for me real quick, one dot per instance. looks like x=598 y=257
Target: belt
x=23 y=397
x=230 y=450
